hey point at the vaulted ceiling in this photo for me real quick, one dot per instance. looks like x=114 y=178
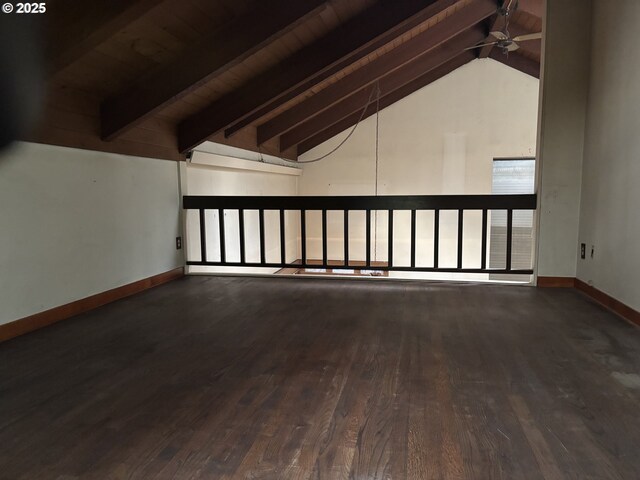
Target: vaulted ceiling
x=156 y=78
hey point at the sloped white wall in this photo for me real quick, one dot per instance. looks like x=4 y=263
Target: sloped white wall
x=609 y=213
x=74 y=223
x=441 y=139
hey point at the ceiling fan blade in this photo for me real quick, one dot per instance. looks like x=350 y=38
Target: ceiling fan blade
x=512 y=47
x=481 y=45
x=529 y=36
x=499 y=35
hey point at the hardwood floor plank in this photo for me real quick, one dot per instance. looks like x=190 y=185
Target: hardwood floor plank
x=541 y=450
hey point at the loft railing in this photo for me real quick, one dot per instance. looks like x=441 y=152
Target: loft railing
x=368 y=204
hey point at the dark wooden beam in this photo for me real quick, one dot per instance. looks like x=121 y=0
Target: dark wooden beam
x=535 y=8
x=224 y=48
x=519 y=62
x=387 y=84
x=531 y=46
x=391 y=98
x=420 y=44
x=425 y=14
x=75 y=27
x=353 y=40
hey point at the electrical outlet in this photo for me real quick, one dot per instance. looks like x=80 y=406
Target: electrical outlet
x=178 y=243
x=583 y=251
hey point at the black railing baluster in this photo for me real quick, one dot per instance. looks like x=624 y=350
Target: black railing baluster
x=368 y=239
x=263 y=253
x=241 y=235
x=346 y=237
x=203 y=237
x=283 y=246
x=460 y=241
x=413 y=238
x=324 y=237
x=483 y=264
x=436 y=237
x=303 y=236
x=223 y=248
x=509 y=237
x=390 y=222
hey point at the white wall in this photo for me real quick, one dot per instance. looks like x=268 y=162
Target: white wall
x=609 y=215
x=565 y=83
x=76 y=222
x=441 y=139
x=203 y=179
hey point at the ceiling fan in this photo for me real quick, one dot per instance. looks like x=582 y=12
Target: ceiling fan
x=503 y=39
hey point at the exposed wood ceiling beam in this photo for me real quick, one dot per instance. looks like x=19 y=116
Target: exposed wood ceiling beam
x=76 y=27
x=429 y=9
x=519 y=62
x=530 y=46
x=387 y=84
x=346 y=44
x=221 y=50
x=535 y=8
x=422 y=43
x=391 y=98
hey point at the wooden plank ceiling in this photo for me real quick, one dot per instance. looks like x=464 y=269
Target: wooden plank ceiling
x=156 y=78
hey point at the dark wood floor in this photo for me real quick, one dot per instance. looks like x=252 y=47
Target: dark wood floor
x=302 y=378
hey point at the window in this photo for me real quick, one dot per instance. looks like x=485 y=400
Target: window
x=512 y=176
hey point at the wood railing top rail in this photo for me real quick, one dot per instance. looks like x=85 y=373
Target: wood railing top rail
x=385 y=202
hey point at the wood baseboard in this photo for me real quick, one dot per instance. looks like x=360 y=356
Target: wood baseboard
x=609 y=302
x=49 y=317
x=556 y=282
